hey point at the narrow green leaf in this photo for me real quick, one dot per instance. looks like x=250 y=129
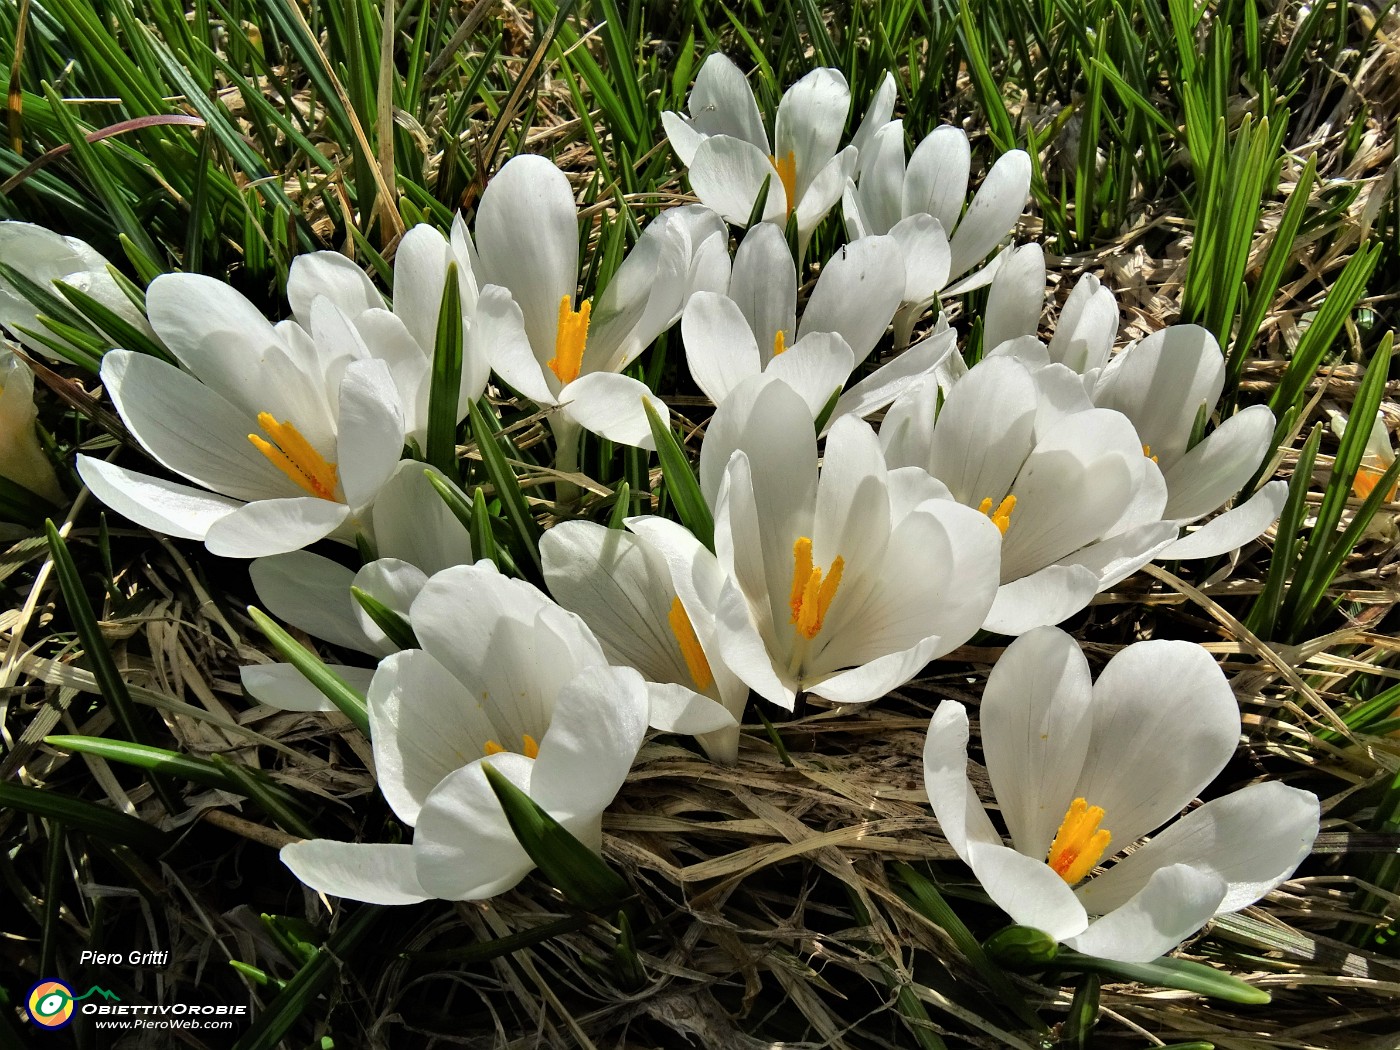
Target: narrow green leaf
x=445 y=393
x=1170 y=973
x=334 y=688
x=398 y=629
x=681 y=483
x=101 y=822
x=523 y=526
x=289 y=816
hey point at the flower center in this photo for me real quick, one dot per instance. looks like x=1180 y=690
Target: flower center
x=694 y=655
x=786 y=168
x=1080 y=842
x=293 y=455
x=571 y=339
x=779 y=343
x=811 y=593
x=1001 y=516
x=528 y=747
x=1366 y=481
x=1147 y=451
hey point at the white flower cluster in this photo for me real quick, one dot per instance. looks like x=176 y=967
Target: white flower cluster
x=1001 y=497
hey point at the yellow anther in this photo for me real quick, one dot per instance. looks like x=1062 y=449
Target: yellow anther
x=1147 y=451
x=1001 y=516
x=1080 y=843
x=779 y=343
x=294 y=456
x=493 y=748
x=811 y=593
x=571 y=339
x=529 y=748
x=694 y=655
x=786 y=167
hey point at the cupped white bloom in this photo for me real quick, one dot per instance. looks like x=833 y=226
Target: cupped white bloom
x=920 y=205
x=621 y=586
x=22 y=458
x=844 y=581
x=1078 y=503
x=726 y=148
x=288 y=435
x=44 y=257
x=527 y=242
x=1083 y=770
x=523 y=687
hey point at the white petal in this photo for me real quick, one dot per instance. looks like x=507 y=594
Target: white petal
x=1086 y=327
x=500 y=328
x=371 y=431
x=369 y=872
x=719 y=346
x=877 y=115
x=611 y=406
x=891 y=379
x=1016 y=297
x=420 y=273
x=1234 y=528
x=764 y=416
x=993 y=211
x=811 y=117
x=1041 y=599
x=413 y=524
x=1175 y=903
x=1217 y=468
x=984 y=432
x=1119 y=556
x=722 y=103
x=857 y=294
x=678 y=709
x=882 y=178
x=926 y=256
x=936 y=182
x=823 y=193
x=283 y=686
x=1252 y=838
x=312 y=593
x=153 y=503
x=727 y=174
x=764 y=284
x=333 y=276
x=816 y=366
x=274 y=526
x=393 y=583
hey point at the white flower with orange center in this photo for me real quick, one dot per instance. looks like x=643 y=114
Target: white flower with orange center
x=727 y=152
x=1375 y=461
x=1084 y=771
x=844 y=581
x=527 y=241
x=504 y=677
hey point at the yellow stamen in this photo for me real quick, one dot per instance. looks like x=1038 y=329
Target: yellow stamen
x=1366 y=481
x=294 y=456
x=811 y=594
x=779 y=343
x=1147 y=451
x=1001 y=517
x=571 y=339
x=695 y=662
x=786 y=168
x=529 y=748
x=1080 y=843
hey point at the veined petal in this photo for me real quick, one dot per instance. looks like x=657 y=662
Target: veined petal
x=882 y=178
x=811 y=117
x=1217 y=468
x=727 y=174
x=371 y=431
x=936 y=180
x=1086 y=327
x=993 y=211
x=984 y=432
x=612 y=406
x=359 y=871
x=274 y=526
x=1041 y=599
x=313 y=593
x=816 y=366
x=1235 y=527
x=764 y=285
x=719 y=346
x=333 y=276
x=722 y=103
x=1175 y=903
x=1016 y=296
x=857 y=294
x=284 y=687
x=822 y=194
x=413 y=524
x=393 y=583
x=896 y=376
x=500 y=330
x=153 y=503
x=877 y=115
x=927 y=258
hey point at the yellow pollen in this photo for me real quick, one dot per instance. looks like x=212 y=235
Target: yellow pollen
x=695 y=661
x=571 y=339
x=811 y=594
x=293 y=455
x=779 y=343
x=1366 y=481
x=786 y=168
x=1080 y=843
x=1001 y=517
x=1147 y=451
x=529 y=748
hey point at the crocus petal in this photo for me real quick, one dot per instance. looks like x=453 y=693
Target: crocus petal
x=727 y=174
x=882 y=178
x=283 y=686
x=857 y=294
x=500 y=329
x=371 y=431
x=392 y=583
x=722 y=103
x=719 y=346
x=993 y=211
x=1040 y=599
x=1217 y=468
x=811 y=117
x=371 y=872
x=274 y=526
x=1234 y=528
x=313 y=593
x=1253 y=838
x=823 y=193
x=414 y=524
x=153 y=503
x=333 y=276
x=464 y=848
x=936 y=181
x=527 y=240
x=1175 y=903
x=1016 y=296
x=764 y=285
x=425 y=724
x=891 y=379
x=1164 y=724
x=816 y=366
x=1086 y=327
x=611 y=406
x=1119 y=556
x=678 y=709
x=877 y=115
x=924 y=246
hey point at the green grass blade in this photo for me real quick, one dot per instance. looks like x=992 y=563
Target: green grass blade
x=334 y=688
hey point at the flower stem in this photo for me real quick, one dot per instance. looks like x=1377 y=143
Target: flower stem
x=567 y=436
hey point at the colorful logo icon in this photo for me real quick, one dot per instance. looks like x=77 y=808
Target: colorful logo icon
x=51 y=1004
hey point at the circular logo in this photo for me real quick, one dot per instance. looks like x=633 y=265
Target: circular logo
x=51 y=1004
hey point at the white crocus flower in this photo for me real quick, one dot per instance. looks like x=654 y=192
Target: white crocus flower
x=332 y=298
x=726 y=148
x=505 y=677
x=753 y=328
x=1082 y=771
x=416 y=535
x=45 y=257
x=1160 y=383
x=527 y=241
x=1079 y=504
x=1375 y=461
x=288 y=434
x=844 y=581
x=621 y=586
x=920 y=205
x=22 y=458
